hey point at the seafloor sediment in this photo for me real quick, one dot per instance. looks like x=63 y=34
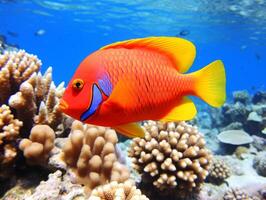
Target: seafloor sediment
x=45 y=155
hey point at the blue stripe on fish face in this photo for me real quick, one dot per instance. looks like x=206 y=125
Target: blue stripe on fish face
x=95 y=102
x=105 y=85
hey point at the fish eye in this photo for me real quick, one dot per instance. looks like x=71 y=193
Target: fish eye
x=78 y=84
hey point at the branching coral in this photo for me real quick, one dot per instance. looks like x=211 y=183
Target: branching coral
x=90 y=152
x=15 y=67
x=219 y=171
x=37 y=101
x=236 y=194
x=9 y=131
x=41 y=141
x=116 y=191
x=171 y=156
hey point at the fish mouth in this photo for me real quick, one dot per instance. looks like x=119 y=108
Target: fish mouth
x=63 y=105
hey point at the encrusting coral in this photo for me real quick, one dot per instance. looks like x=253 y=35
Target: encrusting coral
x=218 y=172
x=9 y=131
x=90 y=152
x=237 y=194
x=172 y=156
x=15 y=67
x=259 y=164
x=41 y=141
x=117 y=191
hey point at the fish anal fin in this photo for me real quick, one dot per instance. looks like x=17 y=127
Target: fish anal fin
x=180 y=51
x=185 y=110
x=130 y=130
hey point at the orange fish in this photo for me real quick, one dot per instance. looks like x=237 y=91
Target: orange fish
x=141 y=79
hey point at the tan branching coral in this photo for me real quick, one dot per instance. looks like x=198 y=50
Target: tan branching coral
x=237 y=194
x=171 y=156
x=37 y=148
x=9 y=131
x=15 y=67
x=37 y=101
x=218 y=172
x=117 y=191
x=90 y=152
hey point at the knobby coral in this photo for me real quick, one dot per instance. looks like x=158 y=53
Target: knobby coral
x=9 y=131
x=172 y=156
x=117 y=191
x=41 y=141
x=15 y=67
x=219 y=171
x=90 y=152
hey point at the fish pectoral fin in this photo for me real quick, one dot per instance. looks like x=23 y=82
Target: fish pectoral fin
x=185 y=110
x=130 y=130
x=122 y=95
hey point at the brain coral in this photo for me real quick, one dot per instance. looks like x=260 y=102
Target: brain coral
x=9 y=131
x=90 y=152
x=41 y=141
x=172 y=156
x=218 y=172
x=116 y=191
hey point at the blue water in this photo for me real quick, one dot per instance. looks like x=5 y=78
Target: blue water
x=231 y=30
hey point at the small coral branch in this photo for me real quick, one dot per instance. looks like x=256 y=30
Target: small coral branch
x=36 y=149
x=9 y=132
x=117 y=191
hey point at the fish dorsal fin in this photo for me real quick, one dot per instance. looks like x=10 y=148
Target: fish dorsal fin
x=180 y=51
x=130 y=130
x=185 y=110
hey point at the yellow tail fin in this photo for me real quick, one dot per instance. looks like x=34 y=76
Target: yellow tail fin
x=210 y=83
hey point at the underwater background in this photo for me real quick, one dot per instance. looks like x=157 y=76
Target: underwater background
x=44 y=154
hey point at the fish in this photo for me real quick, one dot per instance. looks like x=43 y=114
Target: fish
x=40 y=32
x=140 y=79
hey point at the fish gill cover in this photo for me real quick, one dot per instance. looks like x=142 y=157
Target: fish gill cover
x=45 y=155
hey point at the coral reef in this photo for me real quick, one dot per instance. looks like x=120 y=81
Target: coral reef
x=9 y=131
x=114 y=190
x=218 y=172
x=259 y=163
x=90 y=152
x=172 y=156
x=41 y=141
x=237 y=194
